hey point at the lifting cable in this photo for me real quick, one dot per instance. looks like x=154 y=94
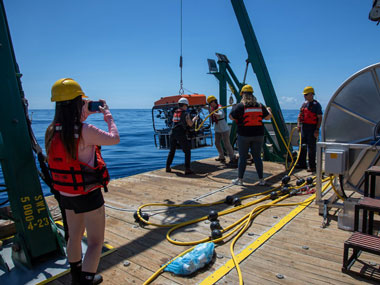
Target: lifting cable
x=181 y=91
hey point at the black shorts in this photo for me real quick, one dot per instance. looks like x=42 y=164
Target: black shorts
x=83 y=203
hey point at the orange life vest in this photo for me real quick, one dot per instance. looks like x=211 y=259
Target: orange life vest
x=307 y=116
x=72 y=176
x=253 y=116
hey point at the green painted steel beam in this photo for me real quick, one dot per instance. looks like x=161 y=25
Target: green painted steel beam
x=35 y=236
x=224 y=78
x=256 y=59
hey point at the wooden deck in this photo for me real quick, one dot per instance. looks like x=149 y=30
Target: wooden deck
x=302 y=252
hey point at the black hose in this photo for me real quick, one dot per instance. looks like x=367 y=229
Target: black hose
x=341 y=186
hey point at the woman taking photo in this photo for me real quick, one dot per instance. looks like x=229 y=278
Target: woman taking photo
x=78 y=173
x=249 y=115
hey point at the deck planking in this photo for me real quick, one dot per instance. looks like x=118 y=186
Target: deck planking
x=146 y=249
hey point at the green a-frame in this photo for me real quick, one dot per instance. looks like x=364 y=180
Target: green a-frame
x=225 y=75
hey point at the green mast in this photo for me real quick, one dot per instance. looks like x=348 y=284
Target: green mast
x=256 y=59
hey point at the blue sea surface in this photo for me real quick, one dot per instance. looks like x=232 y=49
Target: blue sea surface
x=136 y=152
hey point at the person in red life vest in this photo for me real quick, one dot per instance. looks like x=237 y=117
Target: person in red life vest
x=249 y=115
x=222 y=130
x=78 y=172
x=181 y=120
x=308 y=123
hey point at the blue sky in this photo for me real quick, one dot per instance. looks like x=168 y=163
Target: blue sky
x=127 y=52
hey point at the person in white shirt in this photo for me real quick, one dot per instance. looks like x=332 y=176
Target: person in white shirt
x=222 y=130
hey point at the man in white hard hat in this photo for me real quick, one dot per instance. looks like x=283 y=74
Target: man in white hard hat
x=181 y=120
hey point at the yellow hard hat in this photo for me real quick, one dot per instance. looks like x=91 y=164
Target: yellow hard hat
x=246 y=88
x=307 y=90
x=66 y=89
x=210 y=99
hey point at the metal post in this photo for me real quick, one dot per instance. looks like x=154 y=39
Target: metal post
x=222 y=83
x=318 y=186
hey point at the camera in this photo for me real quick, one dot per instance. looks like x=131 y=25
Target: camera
x=93 y=106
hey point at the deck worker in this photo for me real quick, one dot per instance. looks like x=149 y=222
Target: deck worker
x=72 y=145
x=181 y=120
x=308 y=123
x=249 y=115
x=222 y=131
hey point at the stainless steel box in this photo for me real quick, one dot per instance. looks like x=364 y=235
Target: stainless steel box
x=335 y=161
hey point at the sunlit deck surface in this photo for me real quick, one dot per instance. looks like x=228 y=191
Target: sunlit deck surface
x=302 y=252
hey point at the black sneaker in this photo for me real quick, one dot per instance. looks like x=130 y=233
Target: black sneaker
x=168 y=169
x=189 y=171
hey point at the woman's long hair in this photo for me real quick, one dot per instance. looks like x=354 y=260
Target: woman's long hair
x=68 y=116
x=248 y=99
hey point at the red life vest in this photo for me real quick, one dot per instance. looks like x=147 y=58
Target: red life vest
x=72 y=176
x=177 y=116
x=307 y=116
x=253 y=116
x=177 y=122
x=214 y=118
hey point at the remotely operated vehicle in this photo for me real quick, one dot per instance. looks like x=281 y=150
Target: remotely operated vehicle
x=162 y=118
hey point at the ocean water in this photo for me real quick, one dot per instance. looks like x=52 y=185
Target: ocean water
x=136 y=152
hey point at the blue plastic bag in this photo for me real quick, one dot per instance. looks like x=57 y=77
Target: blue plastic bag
x=200 y=256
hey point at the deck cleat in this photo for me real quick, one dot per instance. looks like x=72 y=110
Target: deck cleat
x=213 y=216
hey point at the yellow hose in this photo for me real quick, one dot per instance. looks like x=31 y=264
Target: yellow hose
x=158 y=272
x=252 y=215
x=287 y=145
x=241 y=224
x=208 y=116
x=333 y=187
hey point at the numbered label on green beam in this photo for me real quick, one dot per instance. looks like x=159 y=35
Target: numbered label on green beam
x=32 y=207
